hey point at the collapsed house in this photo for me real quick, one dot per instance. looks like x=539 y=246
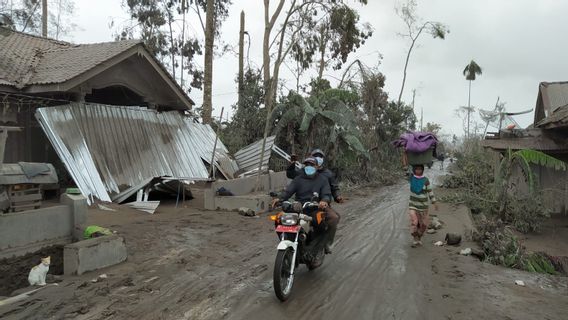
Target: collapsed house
x=110 y=119
x=112 y=152
x=548 y=134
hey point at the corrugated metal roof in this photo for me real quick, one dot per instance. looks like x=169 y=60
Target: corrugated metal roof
x=108 y=149
x=556 y=94
x=222 y=159
x=536 y=139
x=248 y=157
x=558 y=119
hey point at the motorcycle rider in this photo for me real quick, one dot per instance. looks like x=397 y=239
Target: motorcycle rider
x=305 y=184
x=292 y=172
x=332 y=217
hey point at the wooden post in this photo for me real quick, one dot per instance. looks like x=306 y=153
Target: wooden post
x=212 y=163
x=241 y=59
x=3 y=137
x=44 y=18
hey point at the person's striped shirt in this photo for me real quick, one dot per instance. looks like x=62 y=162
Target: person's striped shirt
x=419 y=201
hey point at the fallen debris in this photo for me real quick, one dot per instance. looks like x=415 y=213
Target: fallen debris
x=224 y=192
x=520 y=283
x=465 y=252
x=435 y=224
x=478 y=253
x=100 y=278
x=431 y=231
x=105 y=208
x=243 y=211
x=95 y=232
x=173 y=145
x=453 y=239
x=23 y=296
x=439 y=243
x=146 y=206
x=151 y=279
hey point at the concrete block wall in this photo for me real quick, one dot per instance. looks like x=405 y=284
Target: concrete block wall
x=29 y=231
x=274 y=181
x=93 y=254
x=258 y=203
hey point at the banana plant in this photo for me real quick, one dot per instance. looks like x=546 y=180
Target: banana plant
x=314 y=117
x=524 y=158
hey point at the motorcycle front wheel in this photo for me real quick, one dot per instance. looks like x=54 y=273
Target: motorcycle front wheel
x=282 y=278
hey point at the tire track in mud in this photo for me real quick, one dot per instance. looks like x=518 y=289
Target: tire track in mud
x=367 y=277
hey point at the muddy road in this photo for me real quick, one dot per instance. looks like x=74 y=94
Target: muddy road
x=188 y=264
x=364 y=276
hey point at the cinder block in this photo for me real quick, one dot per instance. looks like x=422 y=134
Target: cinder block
x=93 y=254
x=78 y=205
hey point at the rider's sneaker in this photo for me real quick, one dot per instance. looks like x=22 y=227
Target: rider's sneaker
x=327 y=249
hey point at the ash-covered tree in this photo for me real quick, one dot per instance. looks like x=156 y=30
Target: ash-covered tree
x=433 y=127
x=163 y=26
x=330 y=37
x=244 y=127
x=296 y=16
x=415 y=27
x=25 y=16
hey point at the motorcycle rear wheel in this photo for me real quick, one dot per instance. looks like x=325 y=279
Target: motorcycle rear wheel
x=282 y=278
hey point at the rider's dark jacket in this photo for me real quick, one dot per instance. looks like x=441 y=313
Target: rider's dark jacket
x=304 y=186
x=292 y=172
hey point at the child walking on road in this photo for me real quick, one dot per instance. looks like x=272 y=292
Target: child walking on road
x=420 y=193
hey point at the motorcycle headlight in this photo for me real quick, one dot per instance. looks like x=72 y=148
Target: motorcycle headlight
x=289 y=219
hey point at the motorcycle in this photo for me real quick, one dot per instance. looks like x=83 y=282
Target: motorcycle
x=300 y=230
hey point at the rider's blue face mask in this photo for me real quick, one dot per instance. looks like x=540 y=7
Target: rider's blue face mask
x=320 y=161
x=310 y=170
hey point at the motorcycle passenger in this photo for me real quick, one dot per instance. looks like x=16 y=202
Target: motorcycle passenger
x=332 y=215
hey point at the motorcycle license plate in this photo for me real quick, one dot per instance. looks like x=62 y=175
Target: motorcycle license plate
x=289 y=229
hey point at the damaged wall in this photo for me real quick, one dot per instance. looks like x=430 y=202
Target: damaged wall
x=28 y=231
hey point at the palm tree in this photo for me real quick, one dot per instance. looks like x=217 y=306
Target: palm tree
x=470 y=72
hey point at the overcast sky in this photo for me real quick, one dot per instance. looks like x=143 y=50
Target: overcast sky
x=518 y=43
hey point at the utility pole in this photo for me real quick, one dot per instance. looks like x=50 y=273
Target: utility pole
x=413 y=99
x=421 y=117
x=208 y=69
x=44 y=18
x=241 y=59
x=468 y=109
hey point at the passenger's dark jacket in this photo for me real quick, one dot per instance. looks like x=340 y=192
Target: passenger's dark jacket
x=304 y=187
x=292 y=172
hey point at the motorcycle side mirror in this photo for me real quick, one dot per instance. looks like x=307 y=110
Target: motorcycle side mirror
x=273 y=194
